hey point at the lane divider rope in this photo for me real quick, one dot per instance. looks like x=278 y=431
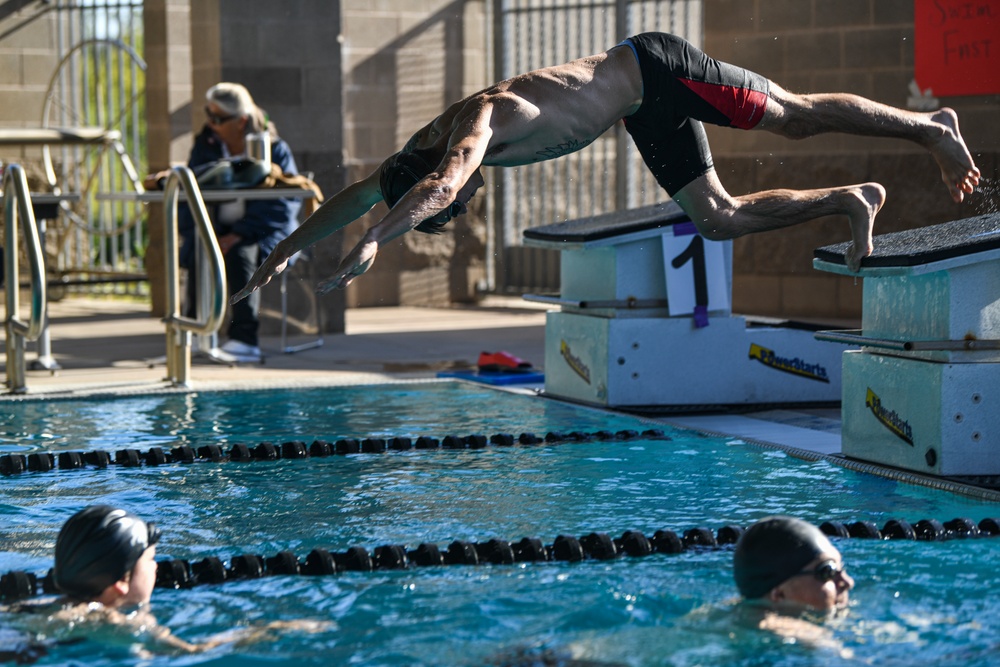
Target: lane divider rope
x=179 y=573
x=15 y=464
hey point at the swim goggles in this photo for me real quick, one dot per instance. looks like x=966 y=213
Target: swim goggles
x=824 y=572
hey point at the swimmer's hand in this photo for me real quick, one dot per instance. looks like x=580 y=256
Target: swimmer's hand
x=359 y=260
x=274 y=264
x=803 y=631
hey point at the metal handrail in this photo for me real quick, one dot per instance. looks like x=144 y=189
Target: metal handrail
x=857 y=337
x=179 y=328
x=17 y=205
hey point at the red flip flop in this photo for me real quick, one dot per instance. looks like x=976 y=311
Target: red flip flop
x=502 y=362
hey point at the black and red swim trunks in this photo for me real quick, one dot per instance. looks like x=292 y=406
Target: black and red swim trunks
x=681 y=88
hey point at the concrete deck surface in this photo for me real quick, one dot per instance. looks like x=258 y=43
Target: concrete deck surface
x=107 y=345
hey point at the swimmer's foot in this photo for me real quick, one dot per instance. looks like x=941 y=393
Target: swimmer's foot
x=864 y=204
x=958 y=171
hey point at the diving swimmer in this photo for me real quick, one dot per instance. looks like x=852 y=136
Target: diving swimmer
x=663 y=88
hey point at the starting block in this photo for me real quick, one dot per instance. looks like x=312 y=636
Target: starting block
x=645 y=321
x=923 y=392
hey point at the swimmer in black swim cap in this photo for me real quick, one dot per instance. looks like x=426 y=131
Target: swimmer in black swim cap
x=105 y=555
x=104 y=565
x=788 y=562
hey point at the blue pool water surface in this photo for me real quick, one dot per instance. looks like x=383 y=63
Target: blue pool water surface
x=915 y=602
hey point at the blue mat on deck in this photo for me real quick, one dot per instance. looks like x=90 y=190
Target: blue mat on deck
x=923 y=245
x=498 y=379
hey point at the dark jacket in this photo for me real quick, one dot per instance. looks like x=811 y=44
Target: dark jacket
x=266 y=221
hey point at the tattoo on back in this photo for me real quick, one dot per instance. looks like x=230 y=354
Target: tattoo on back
x=559 y=150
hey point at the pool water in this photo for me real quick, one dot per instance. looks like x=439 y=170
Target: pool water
x=934 y=601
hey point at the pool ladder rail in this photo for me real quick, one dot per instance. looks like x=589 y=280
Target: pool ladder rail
x=17 y=207
x=212 y=282
x=178 y=573
x=212 y=288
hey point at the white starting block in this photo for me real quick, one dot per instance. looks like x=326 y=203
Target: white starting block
x=645 y=321
x=923 y=392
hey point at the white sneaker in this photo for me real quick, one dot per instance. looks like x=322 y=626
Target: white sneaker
x=242 y=352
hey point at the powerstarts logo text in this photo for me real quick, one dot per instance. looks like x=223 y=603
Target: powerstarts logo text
x=794 y=366
x=889 y=418
x=574 y=362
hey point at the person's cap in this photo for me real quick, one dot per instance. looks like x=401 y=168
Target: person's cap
x=96 y=547
x=773 y=550
x=400 y=174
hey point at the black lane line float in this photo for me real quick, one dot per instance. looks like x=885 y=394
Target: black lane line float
x=15 y=464
x=566 y=548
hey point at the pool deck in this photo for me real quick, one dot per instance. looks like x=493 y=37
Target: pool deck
x=118 y=345
x=109 y=346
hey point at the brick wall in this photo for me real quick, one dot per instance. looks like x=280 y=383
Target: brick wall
x=404 y=62
x=166 y=24
x=27 y=60
x=288 y=55
x=857 y=46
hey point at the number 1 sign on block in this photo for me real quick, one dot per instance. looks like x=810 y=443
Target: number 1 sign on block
x=696 y=274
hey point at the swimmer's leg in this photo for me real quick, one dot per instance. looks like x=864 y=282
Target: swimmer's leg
x=799 y=116
x=719 y=215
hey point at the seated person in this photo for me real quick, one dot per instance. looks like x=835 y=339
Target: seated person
x=105 y=569
x=785 y=567
x=247 y=230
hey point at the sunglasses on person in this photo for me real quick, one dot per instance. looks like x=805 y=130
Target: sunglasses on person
x=216 y=119
x=824 y=572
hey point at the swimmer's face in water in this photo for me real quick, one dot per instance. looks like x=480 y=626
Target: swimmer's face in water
x=823 y=585
x=142 y=579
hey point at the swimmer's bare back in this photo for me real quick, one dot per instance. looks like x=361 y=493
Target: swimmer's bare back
x=544 y=114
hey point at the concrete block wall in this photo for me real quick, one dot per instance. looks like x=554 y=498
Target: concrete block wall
x=857 y=46
x=167 y=35
x=404 y=63
x=288 y=55
x=28 y=56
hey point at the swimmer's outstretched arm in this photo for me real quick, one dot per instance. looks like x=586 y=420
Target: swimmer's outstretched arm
x=240 y=636
x=336 y=213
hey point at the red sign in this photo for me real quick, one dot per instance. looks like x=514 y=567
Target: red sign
x=957 y=46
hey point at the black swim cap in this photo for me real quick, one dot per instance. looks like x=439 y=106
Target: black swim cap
x=97 y=547
x=400 y=174
x=773 y=550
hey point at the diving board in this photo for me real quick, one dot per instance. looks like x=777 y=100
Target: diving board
x=923 y=392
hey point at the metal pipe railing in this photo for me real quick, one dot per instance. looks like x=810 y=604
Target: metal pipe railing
x=179 y=328
x=17 y=206
x=857 y=337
